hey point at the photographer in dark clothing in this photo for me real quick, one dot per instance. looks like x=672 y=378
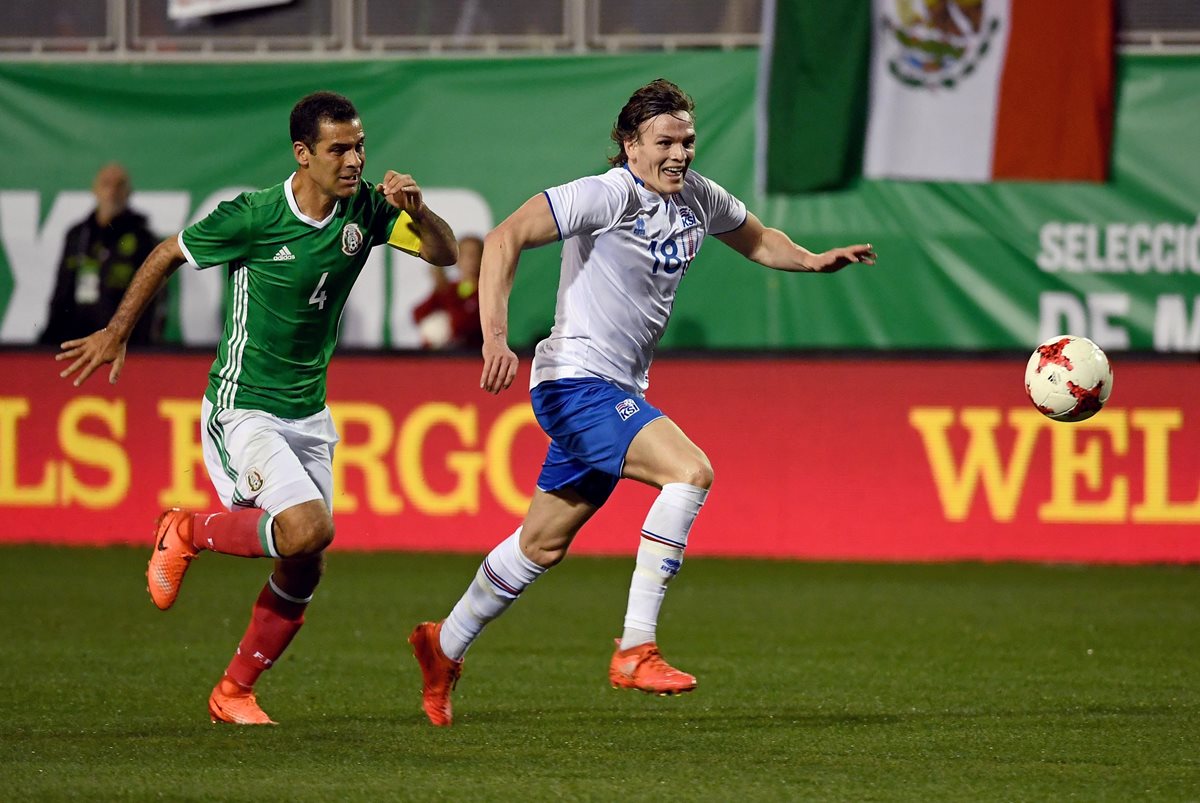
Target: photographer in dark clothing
x=99 y=257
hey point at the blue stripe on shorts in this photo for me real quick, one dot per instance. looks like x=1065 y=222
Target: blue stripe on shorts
x=591 y=423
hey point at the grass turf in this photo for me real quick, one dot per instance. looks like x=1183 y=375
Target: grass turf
x=817 y=681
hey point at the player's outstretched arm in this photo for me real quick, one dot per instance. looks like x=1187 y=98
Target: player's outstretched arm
x=438 y=243
x=774 y=249
x=530 y=226
x=108 y=344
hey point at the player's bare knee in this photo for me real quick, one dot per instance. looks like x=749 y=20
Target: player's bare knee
x=319 y=537
x=303 y=534
x=697 y=473
x=545 y=552
x=547 y=557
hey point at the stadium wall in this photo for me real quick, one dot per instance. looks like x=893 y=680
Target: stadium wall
x=884 y=459
x=964 y=267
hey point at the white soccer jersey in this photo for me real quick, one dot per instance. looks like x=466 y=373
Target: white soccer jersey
x=625 y=249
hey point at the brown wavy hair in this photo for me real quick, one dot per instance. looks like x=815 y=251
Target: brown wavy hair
x=660 y=96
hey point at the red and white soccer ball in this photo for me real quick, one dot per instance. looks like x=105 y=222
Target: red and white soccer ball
x=1068 y=378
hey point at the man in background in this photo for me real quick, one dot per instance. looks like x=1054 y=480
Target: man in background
x=99 y=258
x=449 y=317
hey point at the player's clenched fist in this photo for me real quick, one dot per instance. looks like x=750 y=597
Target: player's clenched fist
x=402 y=192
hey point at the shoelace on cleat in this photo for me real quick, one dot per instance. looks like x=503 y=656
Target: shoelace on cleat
x=655 y=660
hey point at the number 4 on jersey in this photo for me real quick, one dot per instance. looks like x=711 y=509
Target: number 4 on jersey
x=318 y=295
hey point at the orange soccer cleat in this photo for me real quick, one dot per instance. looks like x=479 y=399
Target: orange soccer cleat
x=233 y=703
x=173 y=553
x=643 y=668
x=439 y=674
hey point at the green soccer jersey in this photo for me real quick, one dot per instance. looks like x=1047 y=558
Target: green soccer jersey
x=289 y=278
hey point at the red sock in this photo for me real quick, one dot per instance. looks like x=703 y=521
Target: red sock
x=245 y=532
x=273 y=623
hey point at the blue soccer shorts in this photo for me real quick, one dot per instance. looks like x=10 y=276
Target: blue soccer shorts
x=591 y=423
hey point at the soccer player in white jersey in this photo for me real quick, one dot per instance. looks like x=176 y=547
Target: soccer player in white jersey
x=294 y=251
x=629 y=236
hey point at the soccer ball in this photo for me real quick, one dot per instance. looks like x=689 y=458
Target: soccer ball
x=1068 y=378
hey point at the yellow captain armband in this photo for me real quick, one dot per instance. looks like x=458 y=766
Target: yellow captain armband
x=404 y=235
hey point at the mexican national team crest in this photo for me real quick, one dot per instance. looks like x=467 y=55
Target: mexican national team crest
x=352 y=239
x=937 y=43
x=254 y=480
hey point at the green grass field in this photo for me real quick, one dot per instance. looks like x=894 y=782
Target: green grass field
x=817 y=682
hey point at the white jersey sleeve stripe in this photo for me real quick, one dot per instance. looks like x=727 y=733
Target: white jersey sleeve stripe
x=186 y=253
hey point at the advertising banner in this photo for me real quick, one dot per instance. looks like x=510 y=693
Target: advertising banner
x=885 y=460
x=962 y=268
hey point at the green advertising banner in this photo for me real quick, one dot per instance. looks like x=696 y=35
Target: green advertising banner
x=962 y=266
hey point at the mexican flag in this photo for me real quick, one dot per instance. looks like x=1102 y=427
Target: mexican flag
x=934 y=90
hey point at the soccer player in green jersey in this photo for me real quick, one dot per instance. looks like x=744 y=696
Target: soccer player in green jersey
x=294 y=251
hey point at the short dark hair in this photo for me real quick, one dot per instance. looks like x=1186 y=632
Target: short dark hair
x=311 y=110
x=660 y=96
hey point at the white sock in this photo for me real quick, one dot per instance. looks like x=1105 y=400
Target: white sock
x=659 y=557
x=501 y=578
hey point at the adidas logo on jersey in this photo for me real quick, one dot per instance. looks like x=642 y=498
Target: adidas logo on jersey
x=283 y=255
